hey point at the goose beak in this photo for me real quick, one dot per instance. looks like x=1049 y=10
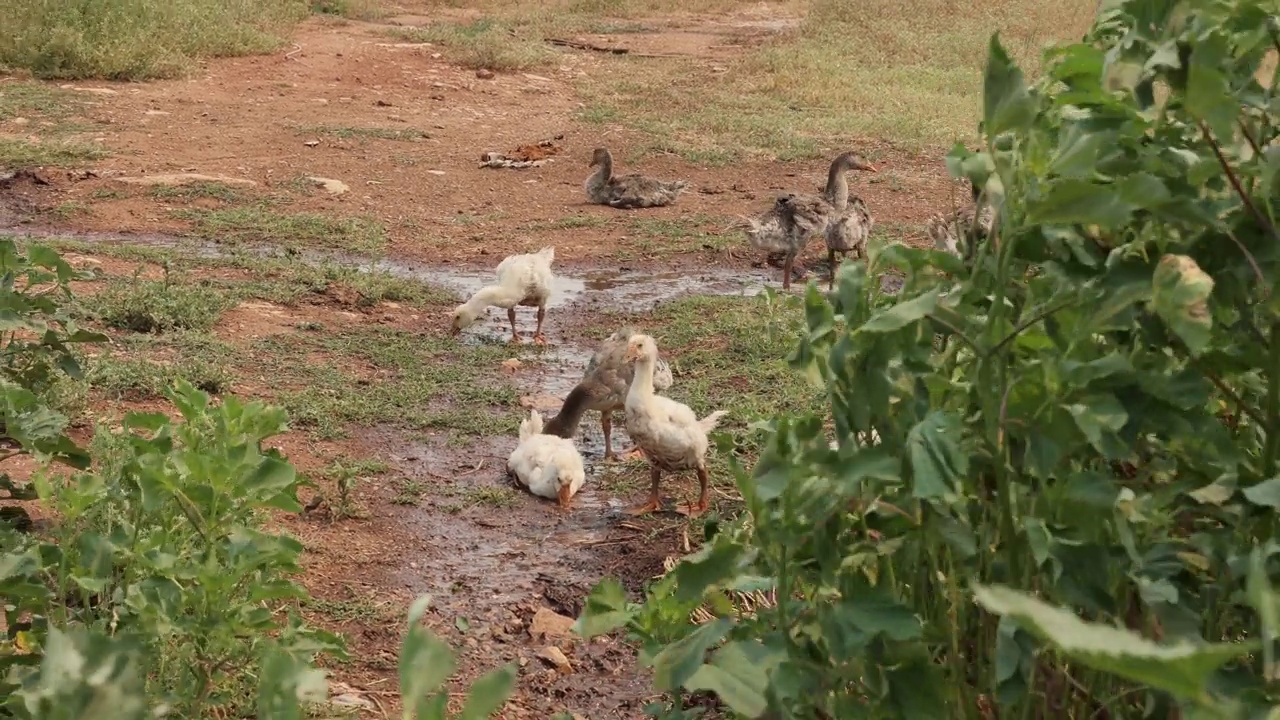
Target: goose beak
x=563 y=497
x=872 y=168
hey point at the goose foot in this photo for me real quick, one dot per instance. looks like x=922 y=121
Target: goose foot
x=651 y=505
x=539 y=339
x=692 y=509
x=634 y=453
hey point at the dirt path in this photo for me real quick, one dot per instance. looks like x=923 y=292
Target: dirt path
x=491 y=558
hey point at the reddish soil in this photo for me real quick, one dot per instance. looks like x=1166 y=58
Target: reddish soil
x=489 y=569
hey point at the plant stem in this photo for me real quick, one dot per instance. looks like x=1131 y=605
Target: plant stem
x=1272 y=423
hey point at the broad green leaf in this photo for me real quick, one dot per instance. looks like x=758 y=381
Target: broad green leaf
x=902 y=314
x=937 y=459
x=677 y=662
x=1208 y=92
x=489 y=693
x=1180 y=294
x=425 y=660
x=1097 y=416
x=1070 y=201
x=915 y=688
x=605 y=610
x=1182 y=669
x=1005 y=102
x=1265 y=493
x=739 y=675
x=876 y=611
x=714 y=563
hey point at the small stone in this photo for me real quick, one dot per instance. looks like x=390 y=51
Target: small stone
x=511 y=365
x=554 y=657
x=550 y=624
x=20 y=121
x=311 y=143
x=331 y=186
x=157 y=112
x=484 y=74
x=436 y=172
x=381 y=103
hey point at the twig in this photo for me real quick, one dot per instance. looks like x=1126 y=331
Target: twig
x=1017 y=330
x=1257 y=271
x=373 y=695
x=1222 y=388
x=473 y=470
x=290 y=56
x=579 y=45
x=1235 y=182
x=1244 y=130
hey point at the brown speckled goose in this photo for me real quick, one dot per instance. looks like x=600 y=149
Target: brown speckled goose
x=788 y=226
x=628 y=191
x=850 y=226
x=956 y=231
x=604 y=387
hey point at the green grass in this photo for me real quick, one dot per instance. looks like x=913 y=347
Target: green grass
x=281 y=280
x=141 y=39
x=409 y=492
x=664 y=237
x=421 y=382
x=199 y=190
x=495 y=496
x=364 y=133
x=155 y=306
x=139 y=367
x=912 y=75
x=484 y=44
x=353 y=9
x=33 y=99
x=261 y=225
x=19 y=153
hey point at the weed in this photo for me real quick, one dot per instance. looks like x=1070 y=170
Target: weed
x=354 y=9
x=806 y=92
x=408 y=491
x=153 y=306
x=344 y=475
x=69 y=209
x=364 y=133
x=495 y=496
x=360 y=608
x=20 y=153
x=139 y=378
x=577 y=220
x=137 y=39
x=25 y=99
x=422 y=382
x=258 y=224
x=193 y=191
x=483 y=44
x=108 y=194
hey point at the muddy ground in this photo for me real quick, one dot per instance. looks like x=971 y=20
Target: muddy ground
x=490 y=567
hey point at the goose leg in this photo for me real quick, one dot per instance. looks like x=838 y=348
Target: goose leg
x=606 y=426
x=655 y=501
x=703 y=503
x=786 y=273
x=538 y=337
x=831 y=260
x=511 y=317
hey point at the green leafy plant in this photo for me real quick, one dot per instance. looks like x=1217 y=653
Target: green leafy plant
x=1087 y=412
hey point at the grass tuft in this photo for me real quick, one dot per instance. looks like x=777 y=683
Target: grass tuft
x=364 y=133
x=137 y=39
x=152 y=306
x=260 y=225
x=483 y=44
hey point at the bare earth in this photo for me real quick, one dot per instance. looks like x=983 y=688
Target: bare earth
x=489 y=569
